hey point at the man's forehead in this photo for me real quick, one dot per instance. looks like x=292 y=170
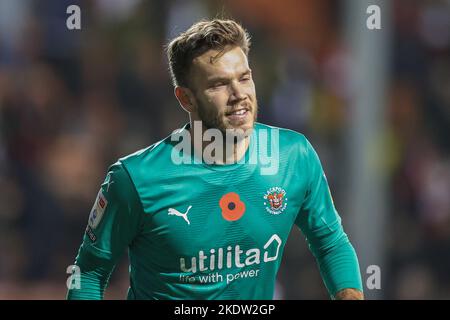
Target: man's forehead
x=228 y=61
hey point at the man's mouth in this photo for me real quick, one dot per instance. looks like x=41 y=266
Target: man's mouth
x=238 y=113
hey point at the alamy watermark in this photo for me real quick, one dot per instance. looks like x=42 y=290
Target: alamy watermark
x=374 y=279
x=215 y=147
x=374 y=20
x=74 y=280
x=73 y=21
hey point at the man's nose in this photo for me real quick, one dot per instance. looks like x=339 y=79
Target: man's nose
x=237 y=92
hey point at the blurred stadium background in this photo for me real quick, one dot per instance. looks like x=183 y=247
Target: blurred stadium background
x=375 y=104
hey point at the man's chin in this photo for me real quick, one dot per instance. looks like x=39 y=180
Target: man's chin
x=243 y=125
x=241 y=131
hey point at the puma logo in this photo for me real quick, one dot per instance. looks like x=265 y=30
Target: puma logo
x=175 y=212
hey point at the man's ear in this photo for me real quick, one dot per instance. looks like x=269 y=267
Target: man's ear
x=185 y=98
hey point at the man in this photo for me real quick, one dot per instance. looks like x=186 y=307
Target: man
x=208 y=222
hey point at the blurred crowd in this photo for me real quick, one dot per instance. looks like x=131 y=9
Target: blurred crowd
x=73 y=101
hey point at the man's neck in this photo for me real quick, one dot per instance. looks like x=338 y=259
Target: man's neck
x=233 y=149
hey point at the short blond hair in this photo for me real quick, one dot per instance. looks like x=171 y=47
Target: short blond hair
x=199 y=38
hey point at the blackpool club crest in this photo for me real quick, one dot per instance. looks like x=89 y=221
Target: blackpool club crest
x=275 y=200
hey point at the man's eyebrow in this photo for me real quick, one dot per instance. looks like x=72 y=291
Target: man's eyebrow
x=224 y=78
x=246 y=72
x=219 y=78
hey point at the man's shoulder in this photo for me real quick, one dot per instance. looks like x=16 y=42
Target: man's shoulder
x=150 y=155
x=143 y=154
x=287 y=138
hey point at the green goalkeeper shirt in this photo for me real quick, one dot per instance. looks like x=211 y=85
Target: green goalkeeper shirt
x=204 y=231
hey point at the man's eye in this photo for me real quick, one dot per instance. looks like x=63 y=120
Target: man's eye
x=246 y=78
x=218 y=84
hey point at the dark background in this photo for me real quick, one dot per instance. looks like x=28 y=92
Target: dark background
x=73 y=102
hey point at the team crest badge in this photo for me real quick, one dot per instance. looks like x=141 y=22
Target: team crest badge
x=275 y=200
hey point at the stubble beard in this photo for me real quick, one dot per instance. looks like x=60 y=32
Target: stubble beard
x=213 y=119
